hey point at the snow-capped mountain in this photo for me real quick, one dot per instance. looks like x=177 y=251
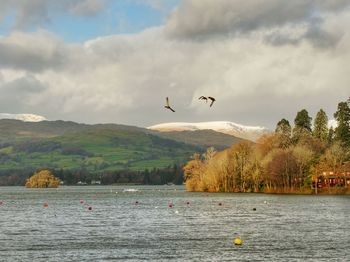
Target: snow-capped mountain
x=23 y=117
x=230 y=128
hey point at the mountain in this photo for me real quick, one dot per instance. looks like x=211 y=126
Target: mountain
x=229 y=128
x=23 y=117
x=94 y=149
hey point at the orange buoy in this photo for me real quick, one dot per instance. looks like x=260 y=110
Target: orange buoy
x=45 y=205
x=171 y=205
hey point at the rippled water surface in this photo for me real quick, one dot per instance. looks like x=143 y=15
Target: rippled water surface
x=139 y=225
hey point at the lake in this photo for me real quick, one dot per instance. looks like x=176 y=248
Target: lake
x=135 y=223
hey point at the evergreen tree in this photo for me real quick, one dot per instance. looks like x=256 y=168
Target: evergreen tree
x=283 y=127
x=302 y=126
x=330 y=136
x=284 y=132
x=320 y=126
x=342 y=131
x=303 y=120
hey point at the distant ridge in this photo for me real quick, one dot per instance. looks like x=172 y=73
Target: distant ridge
x=229 y=128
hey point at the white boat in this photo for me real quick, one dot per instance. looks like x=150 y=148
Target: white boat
x=130 y=190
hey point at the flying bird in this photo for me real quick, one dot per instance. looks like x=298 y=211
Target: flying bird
x=203 y=98
x=167 y=105
x=212 y=100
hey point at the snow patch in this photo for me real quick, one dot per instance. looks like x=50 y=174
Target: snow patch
x=23 y=117
x=230 y=128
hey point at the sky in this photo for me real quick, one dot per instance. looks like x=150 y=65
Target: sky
x=105 y=61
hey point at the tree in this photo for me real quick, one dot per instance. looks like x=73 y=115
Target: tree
x=42 y=179
x=281 y=169
x=330 y=136
x=302 y=127
x=193 y=172
x=320 y=126
x=283 y=131
x=303 y=120
x=342 y=131
x=303 y=157
x=283 y=127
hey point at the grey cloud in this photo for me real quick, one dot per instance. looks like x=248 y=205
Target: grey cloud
x=17 y=95
x=37 y=12
x=322 y=38
x=31 y=52
x=198 y=19
x=34 y=12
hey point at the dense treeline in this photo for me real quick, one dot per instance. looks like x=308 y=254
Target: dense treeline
x=156 y=176
x=285 y=161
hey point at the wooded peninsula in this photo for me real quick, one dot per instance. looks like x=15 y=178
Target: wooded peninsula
x=303 y=159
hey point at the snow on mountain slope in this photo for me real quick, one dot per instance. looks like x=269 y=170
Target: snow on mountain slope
x=230 y=128
x=23 y=117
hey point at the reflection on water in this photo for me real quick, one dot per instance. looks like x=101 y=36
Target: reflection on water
x=167 y=223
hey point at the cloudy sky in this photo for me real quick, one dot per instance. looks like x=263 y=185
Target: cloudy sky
x=99 y=61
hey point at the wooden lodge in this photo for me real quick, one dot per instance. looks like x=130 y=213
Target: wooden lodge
x=333 y=179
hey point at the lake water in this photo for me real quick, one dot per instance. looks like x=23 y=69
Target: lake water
x=138 y=225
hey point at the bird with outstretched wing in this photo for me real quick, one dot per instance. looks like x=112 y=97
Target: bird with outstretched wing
x=167 y=106
x=203 y=98
x=212 y=100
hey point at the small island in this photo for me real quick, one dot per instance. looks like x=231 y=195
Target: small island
x=43 y=179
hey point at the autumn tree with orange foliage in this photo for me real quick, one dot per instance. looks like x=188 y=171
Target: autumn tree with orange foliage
x=42 y=179
x=281 y=162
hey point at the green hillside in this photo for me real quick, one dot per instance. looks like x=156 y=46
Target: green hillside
x=95 y=150
x=98 y=150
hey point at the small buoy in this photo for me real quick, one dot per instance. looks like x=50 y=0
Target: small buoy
x=170 y=205
x=89 y=208
x=136 y=202
x=81 y=201
x=176 y=212
x=45 y=205
x=238 y=241
x=265 y=202
x=187 y=202
x=220 y=204
x=254 y=209
x=1 y=203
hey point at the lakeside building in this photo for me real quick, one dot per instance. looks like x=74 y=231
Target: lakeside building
x=333 y=179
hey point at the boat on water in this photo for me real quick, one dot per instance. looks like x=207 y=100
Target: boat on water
x=130 y=190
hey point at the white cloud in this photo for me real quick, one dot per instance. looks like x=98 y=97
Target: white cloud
x=125 y=78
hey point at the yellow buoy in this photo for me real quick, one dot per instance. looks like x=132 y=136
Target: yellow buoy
x=238 y=241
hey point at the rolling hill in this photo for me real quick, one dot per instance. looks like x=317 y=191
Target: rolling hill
x=98 y=148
